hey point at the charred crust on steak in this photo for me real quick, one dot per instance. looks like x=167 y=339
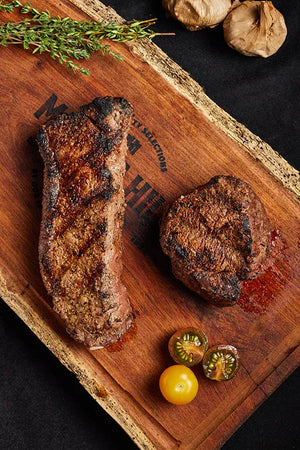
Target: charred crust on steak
x=106 y=194
x=181 y=252
x=83 y=213
x=217 y=236
x=103 y=107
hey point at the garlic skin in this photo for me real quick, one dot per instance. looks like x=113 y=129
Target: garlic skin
x=255 y=28
x=198 y=14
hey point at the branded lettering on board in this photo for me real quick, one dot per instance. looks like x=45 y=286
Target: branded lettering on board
x=140 y=196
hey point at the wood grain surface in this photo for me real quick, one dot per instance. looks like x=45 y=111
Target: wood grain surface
x=174 y=146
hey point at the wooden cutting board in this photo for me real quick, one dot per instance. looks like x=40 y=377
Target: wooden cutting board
x=180 y=139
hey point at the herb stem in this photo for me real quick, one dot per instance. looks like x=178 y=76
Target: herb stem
x=67 y=39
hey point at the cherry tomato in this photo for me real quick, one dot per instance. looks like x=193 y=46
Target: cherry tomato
x=178 y=385
x=187 y=346
x=221 y=362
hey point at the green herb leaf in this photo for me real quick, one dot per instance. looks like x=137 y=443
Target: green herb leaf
x=66 y=39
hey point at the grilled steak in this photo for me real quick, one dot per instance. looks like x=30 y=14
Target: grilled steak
x=217 y=236
x=83 y=208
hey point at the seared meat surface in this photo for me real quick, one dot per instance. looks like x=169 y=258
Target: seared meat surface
x=83 y=210
x=217 y=236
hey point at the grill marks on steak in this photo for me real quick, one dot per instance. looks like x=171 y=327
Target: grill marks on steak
x=217 y=236
x=83 y=211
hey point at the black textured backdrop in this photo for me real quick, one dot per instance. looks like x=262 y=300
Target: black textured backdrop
x=42 y=406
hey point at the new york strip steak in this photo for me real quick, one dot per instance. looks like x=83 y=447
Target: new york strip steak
x=83 y=209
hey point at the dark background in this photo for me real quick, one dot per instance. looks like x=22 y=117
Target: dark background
x=42 y=406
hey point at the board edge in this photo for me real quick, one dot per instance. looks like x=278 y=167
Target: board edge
x=150 y=53
x=13 y=300
x=287 y=367
x=51 y=339
x=89 y=379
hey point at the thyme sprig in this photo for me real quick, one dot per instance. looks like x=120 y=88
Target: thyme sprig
x=65 y=39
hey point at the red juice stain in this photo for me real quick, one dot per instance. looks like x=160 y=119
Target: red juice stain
x=128 y=336
x=257 y=295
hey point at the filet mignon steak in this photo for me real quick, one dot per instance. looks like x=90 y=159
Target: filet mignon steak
x=83 y=208
x=217 y=236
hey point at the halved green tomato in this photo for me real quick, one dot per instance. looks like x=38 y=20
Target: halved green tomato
x=221 y=362
x=187 y=346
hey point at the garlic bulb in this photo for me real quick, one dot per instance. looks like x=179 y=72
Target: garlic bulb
x=255 y=28
x=197 y=14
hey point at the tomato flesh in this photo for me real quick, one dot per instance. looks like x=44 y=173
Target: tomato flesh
x=178 y=385
x=187 y=346
x=221 y=362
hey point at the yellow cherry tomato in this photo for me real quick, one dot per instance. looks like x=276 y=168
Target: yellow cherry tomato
x=178 y=385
